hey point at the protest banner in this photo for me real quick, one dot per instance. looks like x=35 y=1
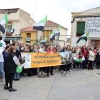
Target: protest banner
x=92 y=25
x=35 y=60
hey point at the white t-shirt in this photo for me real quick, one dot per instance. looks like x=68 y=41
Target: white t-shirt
x=2 y=48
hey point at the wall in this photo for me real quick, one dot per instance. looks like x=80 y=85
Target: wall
x=33 y=37
x=75 y=38
x=73 y=31
x=93 y=11
x=25 y=19
x=11 y=16
x=62 y=32
x=23 y=35
x=17 y=27
x=64 y=37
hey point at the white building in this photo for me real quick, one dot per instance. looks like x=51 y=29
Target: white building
x=78 y=22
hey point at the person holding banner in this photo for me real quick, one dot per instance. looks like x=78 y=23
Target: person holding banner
x=45 y=69
x=10 y=68
x=51 y=50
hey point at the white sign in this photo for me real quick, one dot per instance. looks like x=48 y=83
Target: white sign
x=92 y=25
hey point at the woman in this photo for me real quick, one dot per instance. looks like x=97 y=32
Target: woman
x=18 y=54
x=10 y=67
x=69 y=59
x=91 y=59
x=51 y=50
x=5 y=53
x=85 y=53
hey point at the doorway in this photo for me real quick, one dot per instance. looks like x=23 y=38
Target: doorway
x=95 y=43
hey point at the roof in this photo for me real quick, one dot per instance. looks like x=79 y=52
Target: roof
x=91 y=9
x=48 y=23
x=51 y=23
x=9 y=8
x=28 y=29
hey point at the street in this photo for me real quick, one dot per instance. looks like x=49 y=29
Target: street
x=78 y=85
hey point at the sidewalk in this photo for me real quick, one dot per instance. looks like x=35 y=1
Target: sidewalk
x=78 y=85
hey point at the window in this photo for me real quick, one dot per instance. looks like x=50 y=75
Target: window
x=28 y=35
x=9 y=26
x=80 y=28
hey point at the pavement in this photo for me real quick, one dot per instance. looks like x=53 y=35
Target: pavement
x=78 y=85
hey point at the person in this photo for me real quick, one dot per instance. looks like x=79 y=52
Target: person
x=5 y=53
x=85 y=53
x=91 y=59
x=10 y=68
x=51 y=50
x=98 y=58
x=2 y=48
x=18 y=54
x=69 y=59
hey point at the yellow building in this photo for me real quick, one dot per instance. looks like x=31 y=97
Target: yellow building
x=29 y=35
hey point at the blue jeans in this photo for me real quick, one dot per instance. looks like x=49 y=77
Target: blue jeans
x=16 y=76
x=84 y=63
x=2 y=69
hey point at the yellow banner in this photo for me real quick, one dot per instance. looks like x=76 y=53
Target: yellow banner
x=35 y=60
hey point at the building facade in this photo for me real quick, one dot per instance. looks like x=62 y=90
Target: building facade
x=19 y=18
x=32 y=36
x=52 y=26
x=78 y=26
x=29 y=35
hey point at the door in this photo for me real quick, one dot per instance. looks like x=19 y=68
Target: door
x=95 y=43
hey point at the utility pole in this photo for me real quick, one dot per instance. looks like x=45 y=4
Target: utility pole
x=34 y=4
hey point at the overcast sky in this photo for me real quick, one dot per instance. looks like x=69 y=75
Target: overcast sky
x=58 y=11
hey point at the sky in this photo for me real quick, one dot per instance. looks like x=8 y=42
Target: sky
x=58 y=11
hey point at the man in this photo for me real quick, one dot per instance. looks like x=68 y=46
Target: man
x=2 y=48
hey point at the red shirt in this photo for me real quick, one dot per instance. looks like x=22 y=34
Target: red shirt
x=85 y=52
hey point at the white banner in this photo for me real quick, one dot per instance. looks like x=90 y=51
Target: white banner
x=92 y=25
x=27 y=57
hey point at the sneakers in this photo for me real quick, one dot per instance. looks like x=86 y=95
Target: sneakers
x=12 y=89
x=68 y=72
x=64 y=72
x=2 y=80
x=6 y=87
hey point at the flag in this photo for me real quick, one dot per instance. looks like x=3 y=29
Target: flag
x=57 y=33
x=13 y=28
x=3 y=24
x=52 y=37
x=43 y=41
x=40 y=25
x=83 y=37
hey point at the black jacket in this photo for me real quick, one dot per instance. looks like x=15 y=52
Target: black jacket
x=97 y=57
x=10 y=66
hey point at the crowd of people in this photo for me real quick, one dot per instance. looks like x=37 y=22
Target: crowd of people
x=11 y=53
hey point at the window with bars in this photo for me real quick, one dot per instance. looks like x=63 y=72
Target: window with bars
x=80 y=28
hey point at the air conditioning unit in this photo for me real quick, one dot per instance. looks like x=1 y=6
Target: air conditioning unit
x=28 y=39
